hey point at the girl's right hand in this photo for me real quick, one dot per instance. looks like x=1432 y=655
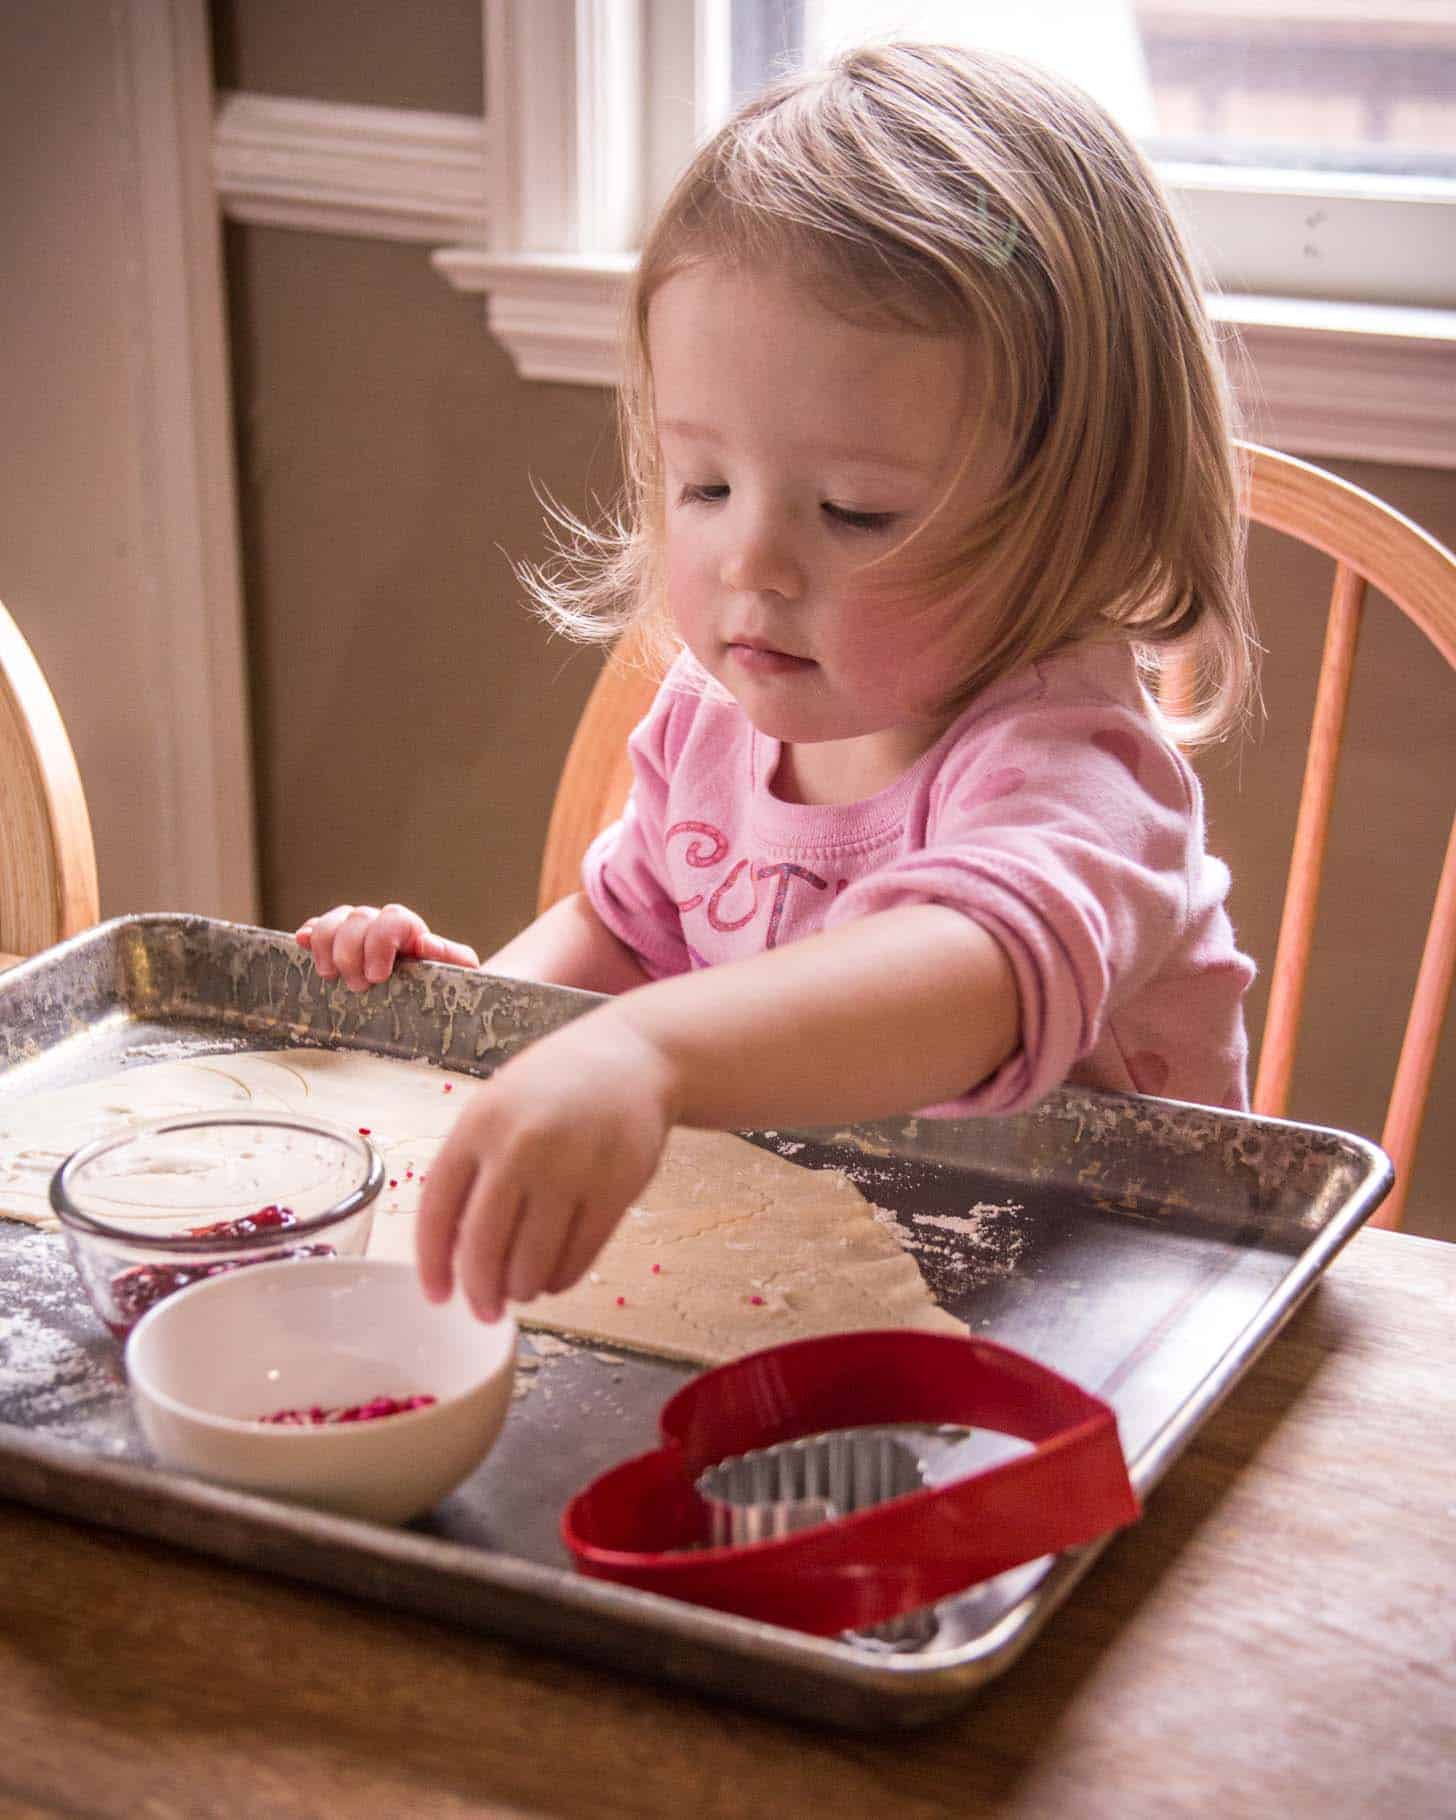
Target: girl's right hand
x=359 y=944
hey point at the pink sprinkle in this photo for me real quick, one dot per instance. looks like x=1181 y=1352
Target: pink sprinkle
x=409 y=1175
x=757 y=1301
x=449 y=1086
x=657 y=1270
x=316 y=1415
x=621 y=1301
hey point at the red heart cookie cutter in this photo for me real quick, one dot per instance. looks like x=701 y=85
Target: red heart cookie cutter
x=644 y=1524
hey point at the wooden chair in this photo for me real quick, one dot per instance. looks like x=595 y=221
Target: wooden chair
x=48 y=870
x=1371 y=544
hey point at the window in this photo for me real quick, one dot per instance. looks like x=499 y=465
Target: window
x=1309 y=144
x=1340 y=85
x=1316 y=85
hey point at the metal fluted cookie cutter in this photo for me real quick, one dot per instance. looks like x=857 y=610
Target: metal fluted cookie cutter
x=647 y=1524
x=776 y=1491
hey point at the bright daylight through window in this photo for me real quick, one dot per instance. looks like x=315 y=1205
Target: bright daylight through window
x=1310 y=144
x=1336 y=85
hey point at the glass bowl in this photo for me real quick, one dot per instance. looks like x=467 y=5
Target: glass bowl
x=158 y=1207
x=221 y=1376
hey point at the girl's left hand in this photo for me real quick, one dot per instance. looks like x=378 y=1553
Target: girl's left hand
x=543 y=1164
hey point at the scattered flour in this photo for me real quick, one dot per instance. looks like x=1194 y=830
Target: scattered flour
x=977 y=1223
x=545 y=1348
x=988 y=1242
x=48 y=1380
x=891 y=1222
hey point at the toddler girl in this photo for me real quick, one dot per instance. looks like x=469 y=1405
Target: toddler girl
x=929 y=473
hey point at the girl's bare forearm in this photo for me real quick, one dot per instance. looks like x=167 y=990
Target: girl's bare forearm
x=902 y=1009
x=569 y=945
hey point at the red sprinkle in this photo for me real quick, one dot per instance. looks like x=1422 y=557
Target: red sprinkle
x=757 y=1301
x=657 y=1270
x=449 y=1086
x=364 y=1131
x=244 y=1227
x=621 y=1301
x=135 y=1290
x=393 y=1183
x=371 y=1411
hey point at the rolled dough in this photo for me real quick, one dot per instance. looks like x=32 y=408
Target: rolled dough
x=728 y=1250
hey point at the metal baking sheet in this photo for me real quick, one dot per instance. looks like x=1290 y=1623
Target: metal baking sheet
x=1145 y=1248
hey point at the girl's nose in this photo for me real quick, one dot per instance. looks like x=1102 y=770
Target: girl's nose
x=760 y=560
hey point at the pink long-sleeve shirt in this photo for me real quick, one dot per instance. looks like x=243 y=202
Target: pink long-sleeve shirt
x=1052 y=811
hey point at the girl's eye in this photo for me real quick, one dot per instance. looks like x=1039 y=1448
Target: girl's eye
x=860 y=521
x=690 y=495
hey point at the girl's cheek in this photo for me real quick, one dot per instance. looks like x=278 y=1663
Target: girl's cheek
x=869 y=624
x=688 y=592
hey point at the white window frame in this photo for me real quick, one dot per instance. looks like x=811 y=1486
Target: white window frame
x=1343 y=290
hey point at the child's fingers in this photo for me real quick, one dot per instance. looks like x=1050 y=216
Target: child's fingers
x=493 y=1215
x=590 y=1230
x=539 y=1239
x=442 y=1205
x=349 y=946
x=323 y=929
x=361 y=944
x=394 y=931
x=458 y=954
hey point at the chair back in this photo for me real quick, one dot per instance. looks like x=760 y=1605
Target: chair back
x=48 y=869
x=597 y=773
x=1371 y=545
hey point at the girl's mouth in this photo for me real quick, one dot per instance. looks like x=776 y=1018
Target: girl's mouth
x=766 y=660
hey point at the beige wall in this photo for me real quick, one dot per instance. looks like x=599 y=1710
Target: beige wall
x=375 y=53
x=411 y=718
x=80 y=566
x=410 y=715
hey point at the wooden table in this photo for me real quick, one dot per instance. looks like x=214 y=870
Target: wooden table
x=1274 y=1639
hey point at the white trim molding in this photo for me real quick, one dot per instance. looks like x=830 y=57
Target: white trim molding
x=563 y=99
x=560 y=317
x=387 y=173
x=1359 y=380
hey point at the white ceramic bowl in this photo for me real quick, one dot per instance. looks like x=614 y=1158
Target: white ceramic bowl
x=206 y=1363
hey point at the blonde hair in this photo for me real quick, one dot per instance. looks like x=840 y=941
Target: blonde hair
x=947 y=190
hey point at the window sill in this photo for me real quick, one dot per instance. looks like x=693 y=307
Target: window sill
x=558 y=314
x=1366 y=381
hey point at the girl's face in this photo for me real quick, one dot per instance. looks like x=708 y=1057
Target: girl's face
x=797 y=449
